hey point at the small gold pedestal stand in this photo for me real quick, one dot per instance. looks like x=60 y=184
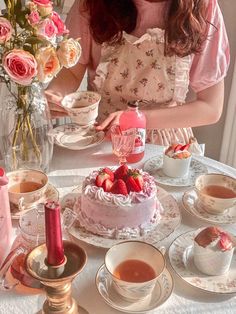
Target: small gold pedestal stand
x=57 y=279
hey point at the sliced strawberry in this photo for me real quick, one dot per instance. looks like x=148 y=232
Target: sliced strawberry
x=136 y=175
x=101 y=177
x=107 y=184
x=177 y=147
x=225 y=242
x=185 y=147
x=109 y=172
x=119 y=187
x=121 y=172
x=132 y=186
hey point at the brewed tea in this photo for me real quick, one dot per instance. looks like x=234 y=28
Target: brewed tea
x=25 y=187
x=134 y=271
x=218 y=191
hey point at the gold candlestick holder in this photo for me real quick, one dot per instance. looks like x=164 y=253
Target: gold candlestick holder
x=57 y=280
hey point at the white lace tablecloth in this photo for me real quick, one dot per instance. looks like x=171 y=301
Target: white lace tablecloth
x=67 y=171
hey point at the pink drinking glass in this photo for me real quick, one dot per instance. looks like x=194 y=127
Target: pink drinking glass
x=122 y=142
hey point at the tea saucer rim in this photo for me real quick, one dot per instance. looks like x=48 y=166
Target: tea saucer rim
x=187 y=207
x=176 y=182
x=117 y=307
x=99 y=139
x=194 y=232
x=17 y=214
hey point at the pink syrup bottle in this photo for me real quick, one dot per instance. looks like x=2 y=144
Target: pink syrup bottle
x=133 y=118
x=5 y=218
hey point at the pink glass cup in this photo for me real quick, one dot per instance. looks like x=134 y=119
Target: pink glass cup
x=122 y=142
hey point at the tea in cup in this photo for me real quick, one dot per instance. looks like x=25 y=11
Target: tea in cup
x=26 y=187
x=134 y=267
x=82 y=106
x=216 y=192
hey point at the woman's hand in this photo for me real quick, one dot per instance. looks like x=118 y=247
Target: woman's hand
x=112 y=119
x=54 y=103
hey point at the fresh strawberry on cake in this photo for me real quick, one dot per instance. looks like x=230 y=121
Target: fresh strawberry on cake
x=118 y=203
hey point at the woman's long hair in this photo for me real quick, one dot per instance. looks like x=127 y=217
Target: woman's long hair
x=185 y=23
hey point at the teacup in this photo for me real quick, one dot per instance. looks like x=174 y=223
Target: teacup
x=134 y=267
x=26 y=187
x=82 y=106
x=216 y=192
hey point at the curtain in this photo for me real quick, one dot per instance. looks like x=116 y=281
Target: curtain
x=228 y=147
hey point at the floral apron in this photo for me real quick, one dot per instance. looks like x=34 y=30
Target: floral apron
x=136 y=69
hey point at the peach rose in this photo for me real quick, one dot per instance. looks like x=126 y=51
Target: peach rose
x=45 y=10
x=61 y=28
x=5 y=30
x=21 y=66
x=48 y=64
x=69 y=52
x=46 y=29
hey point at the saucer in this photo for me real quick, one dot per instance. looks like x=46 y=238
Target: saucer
x=154 y=167
x=160 y=294
x=181 y=260
x=194 y=208
x=75 y=137
x=51 y=193
x=169 y=220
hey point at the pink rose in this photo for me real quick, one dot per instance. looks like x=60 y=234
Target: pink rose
x=33 y=18
x=5 y=30
x=46 y=29
x=21 y=66
x=42 y=2
x=61 y=28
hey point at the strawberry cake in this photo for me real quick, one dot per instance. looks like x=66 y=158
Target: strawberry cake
x=119 y=203
x=213 y=251
x=176 y=160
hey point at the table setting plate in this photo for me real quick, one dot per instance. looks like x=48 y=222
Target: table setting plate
x=160 y=294
x=154 y=167
x=170 y=219
x=51 y=193
x=181 y=260
x=75 y=137
x=191 y=205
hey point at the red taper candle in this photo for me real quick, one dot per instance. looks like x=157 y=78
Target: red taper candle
x=54 y=242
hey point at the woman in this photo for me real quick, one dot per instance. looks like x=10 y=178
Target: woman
x=151 y=51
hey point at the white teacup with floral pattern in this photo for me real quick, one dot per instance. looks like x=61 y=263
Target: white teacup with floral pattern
x=216 y=192
x=82 y=106
x=26 y=187
x=134 y=267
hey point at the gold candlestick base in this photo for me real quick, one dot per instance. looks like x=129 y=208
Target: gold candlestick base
x=57 y=279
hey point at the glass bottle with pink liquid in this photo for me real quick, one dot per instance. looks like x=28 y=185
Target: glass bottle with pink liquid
x=5 y=218
x=133 y=118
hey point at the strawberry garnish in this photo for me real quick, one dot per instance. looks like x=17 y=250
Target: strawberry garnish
x=107 y=184
x=109 y=172
x=119 y=187
x=225 y=242
x=121 y=172
x=101 y=177
x=132 y=186
x=137 y=178
x=177 y=147
x=185 y=147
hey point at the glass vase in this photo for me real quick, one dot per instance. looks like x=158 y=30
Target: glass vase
x=25 y=128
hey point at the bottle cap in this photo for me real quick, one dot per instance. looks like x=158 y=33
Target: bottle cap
x=133 y=104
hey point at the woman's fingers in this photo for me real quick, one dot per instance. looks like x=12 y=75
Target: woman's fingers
x=113 y=118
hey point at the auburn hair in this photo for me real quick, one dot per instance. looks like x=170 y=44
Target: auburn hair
x=185 y=23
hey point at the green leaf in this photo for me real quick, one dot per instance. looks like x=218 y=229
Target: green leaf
x=33 y=40
x=29 y=49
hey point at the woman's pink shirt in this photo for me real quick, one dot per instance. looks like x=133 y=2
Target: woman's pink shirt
x=208 y=67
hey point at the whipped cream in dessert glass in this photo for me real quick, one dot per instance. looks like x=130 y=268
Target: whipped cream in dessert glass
x=176 y=160
x=213 y=251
